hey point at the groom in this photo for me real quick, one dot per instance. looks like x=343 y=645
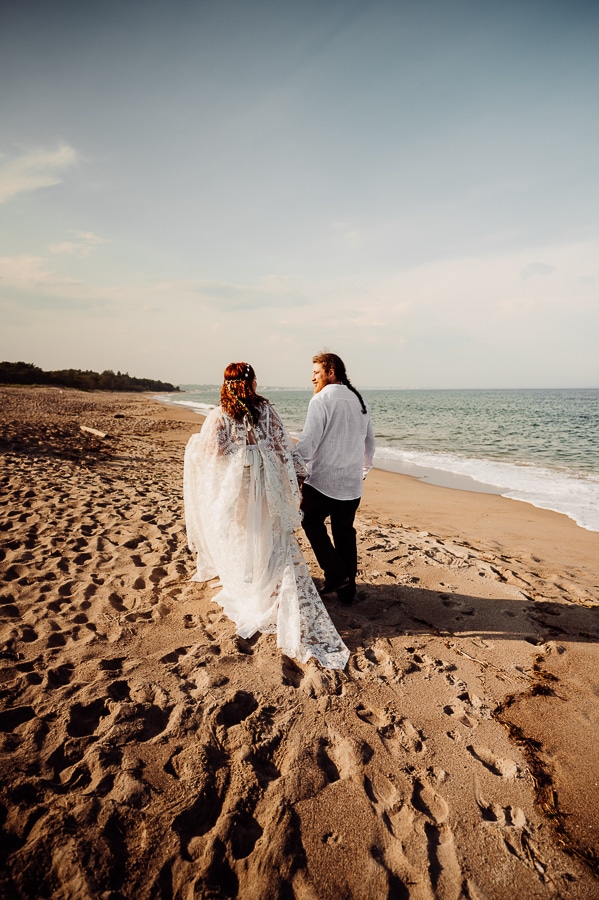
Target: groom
x=337 y=445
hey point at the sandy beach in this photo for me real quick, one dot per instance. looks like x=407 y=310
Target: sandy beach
x=147 y=752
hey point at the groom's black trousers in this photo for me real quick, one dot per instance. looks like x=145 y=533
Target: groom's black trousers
x=337 y=558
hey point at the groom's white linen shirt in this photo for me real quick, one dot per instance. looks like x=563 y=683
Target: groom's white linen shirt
x=337 y=443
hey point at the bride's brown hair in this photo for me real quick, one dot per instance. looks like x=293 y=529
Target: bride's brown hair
x=238 y=398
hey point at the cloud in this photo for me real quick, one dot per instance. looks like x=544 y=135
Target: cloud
x=269 y=292
x=236 y=297
x=33 y=170
x=87 y=242
x=40 y=286
x=34 y=274
x=25 y=272
x=536 y=268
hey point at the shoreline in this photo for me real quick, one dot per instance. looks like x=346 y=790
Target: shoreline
x=488 y=520
x=429 y=475
x=383 y=483
x=147 y=751
x=557 y=499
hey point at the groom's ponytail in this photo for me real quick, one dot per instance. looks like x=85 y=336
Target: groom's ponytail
x=331 y=361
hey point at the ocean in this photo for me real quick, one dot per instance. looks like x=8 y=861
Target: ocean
x=537 y=446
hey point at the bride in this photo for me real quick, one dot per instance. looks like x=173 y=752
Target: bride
x=241 y=509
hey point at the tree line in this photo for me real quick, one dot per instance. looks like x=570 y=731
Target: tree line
x=26 y=373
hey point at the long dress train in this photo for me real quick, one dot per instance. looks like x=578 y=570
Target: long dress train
x=241 y=511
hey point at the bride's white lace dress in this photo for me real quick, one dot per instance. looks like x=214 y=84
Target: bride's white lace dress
x=241 y=511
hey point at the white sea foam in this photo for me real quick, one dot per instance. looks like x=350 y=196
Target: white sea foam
x=574 y=495
x=540 y=447
x=202 y=409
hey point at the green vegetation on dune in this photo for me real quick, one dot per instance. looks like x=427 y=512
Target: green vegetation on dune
x=26 y=373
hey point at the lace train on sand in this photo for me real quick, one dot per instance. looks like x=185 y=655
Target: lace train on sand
x=241 y=509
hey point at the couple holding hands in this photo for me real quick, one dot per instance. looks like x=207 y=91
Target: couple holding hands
x=248 y=489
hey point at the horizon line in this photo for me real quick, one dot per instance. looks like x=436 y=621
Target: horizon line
x=190 y=385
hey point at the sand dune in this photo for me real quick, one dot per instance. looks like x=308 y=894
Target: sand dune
x=148 y=752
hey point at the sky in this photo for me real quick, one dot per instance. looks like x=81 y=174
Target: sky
x=412 y=184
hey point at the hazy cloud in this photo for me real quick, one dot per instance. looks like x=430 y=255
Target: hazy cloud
x=25 y=272
x=87 y=241
x=234 y=297
x=34 y=169
x=536 y=268
x=36 y=283
x=268 y=292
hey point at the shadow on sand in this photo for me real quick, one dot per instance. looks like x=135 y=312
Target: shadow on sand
x=392 y=610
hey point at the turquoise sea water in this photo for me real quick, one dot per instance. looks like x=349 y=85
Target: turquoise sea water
x=538 y=446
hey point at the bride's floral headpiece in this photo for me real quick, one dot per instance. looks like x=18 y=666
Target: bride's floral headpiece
x=243 y=377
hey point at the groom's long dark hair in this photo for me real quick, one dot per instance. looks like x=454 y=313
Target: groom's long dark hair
x=332 y=362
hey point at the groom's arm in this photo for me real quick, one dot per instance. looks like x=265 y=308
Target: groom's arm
x=369 y=448
x=312 y=431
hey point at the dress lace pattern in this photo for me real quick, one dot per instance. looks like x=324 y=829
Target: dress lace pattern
x=241 y=511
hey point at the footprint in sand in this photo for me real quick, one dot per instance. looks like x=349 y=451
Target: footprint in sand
x=82 y=558
x=234 y=711
x=144 y=616
x=381 y=792
x=66 y=589
x=497 y=765
x=325 y=763
x=377 y=662
x=426 y=800
x=410 y=737
x=292 y=675
x=118 y=690
x=146 y=720
x=261 y=761
x=158 y=574
x=174 y=655
x=59 y=676
x=340 y=758
x=321 y=683
x=112 y=665
x=14 y=573
x=450 y=602
x=447 y=877
x=28 y=634
x=85 y=718
x=10 y=610
x=378 y=718
x=516 y=832
x=55 y=640
x=503 y=816
x=200 y=817
x=396 y=733
x=116 y=602
x=459 y=714
x=243 y=831
x=12 y=718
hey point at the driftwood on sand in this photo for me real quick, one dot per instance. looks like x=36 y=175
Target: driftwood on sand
x=86 y=428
